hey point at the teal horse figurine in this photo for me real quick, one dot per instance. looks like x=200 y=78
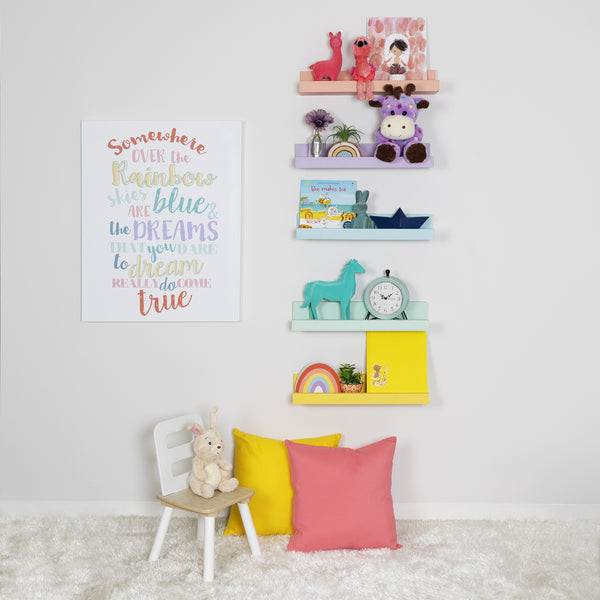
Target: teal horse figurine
x=340 y=290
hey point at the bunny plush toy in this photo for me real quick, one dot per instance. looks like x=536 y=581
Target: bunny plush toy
x=210 y=471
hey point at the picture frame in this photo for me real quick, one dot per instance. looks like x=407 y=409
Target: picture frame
x=161 y=221
x=399 y=47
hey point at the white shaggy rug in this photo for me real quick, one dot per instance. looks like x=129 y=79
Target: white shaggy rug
x=104 y=558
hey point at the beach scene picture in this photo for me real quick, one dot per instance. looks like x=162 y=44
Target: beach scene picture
x=326 y=204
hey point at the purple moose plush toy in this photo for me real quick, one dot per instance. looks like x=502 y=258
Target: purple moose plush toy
x=398 y=134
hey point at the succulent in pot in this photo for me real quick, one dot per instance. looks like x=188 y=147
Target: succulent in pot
x=351 y=380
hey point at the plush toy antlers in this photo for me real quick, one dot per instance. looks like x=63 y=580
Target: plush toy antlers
x=390 y=90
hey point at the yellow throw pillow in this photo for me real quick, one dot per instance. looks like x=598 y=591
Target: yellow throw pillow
x=262 y=464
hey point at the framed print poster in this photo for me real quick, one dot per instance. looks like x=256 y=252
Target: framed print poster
x=399 y=47
x=161 y=221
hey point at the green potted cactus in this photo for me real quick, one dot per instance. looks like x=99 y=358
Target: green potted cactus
x=351 y=380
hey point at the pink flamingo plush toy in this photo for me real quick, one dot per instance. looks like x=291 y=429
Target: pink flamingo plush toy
x=364 y=72
x=330 y=69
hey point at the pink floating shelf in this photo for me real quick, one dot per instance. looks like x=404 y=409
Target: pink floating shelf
x=346 y=85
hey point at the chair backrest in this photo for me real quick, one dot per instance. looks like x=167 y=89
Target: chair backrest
x=174 y=450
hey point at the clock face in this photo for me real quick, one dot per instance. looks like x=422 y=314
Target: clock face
x=386 y=298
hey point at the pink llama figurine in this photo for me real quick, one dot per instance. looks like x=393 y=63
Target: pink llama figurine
x=330 y=69
x=364 y=72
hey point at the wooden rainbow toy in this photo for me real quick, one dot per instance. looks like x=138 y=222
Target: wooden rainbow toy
x=318 y=378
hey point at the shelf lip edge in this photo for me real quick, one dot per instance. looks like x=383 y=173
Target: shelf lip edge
x=417 y=309
x=362 y=398
x=303 y=160
x=423 y=233
x=346 y=85
x=352 y=325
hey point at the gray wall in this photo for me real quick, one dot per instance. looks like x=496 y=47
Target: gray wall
x=511 y=278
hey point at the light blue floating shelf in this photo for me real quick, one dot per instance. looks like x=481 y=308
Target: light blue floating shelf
x=425 y=232
x=303 y=160
x=330 y=318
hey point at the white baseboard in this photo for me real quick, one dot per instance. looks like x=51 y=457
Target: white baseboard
x=413 y=511
x=77 y=509
x=459 y=512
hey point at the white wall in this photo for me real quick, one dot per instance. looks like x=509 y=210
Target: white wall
x=511 y=278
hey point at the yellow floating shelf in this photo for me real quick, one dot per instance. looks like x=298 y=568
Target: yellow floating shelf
x=362 y=398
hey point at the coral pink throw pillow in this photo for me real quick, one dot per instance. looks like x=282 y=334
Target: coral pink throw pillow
x=342 y=497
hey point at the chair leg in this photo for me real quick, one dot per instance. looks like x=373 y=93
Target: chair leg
x=165 y=519
x=209 y=548
x=200 y=529
x=249 y=527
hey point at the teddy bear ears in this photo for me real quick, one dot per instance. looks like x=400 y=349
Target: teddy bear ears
x=362 y=196
x=195 y=428
x=213 y=418
x=198 y=429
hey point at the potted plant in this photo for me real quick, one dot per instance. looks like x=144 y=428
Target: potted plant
x=342 y=146
x=351 y=380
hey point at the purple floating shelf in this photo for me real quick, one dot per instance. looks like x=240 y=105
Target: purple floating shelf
x=303 y=160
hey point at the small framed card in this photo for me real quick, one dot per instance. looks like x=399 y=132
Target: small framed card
x=399 y=47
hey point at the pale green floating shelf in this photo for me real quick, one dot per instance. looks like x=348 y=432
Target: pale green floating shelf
x=330 y=318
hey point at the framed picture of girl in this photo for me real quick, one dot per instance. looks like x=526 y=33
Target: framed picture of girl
x=399 y=47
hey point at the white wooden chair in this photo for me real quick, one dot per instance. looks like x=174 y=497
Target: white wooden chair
x=173 y=444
